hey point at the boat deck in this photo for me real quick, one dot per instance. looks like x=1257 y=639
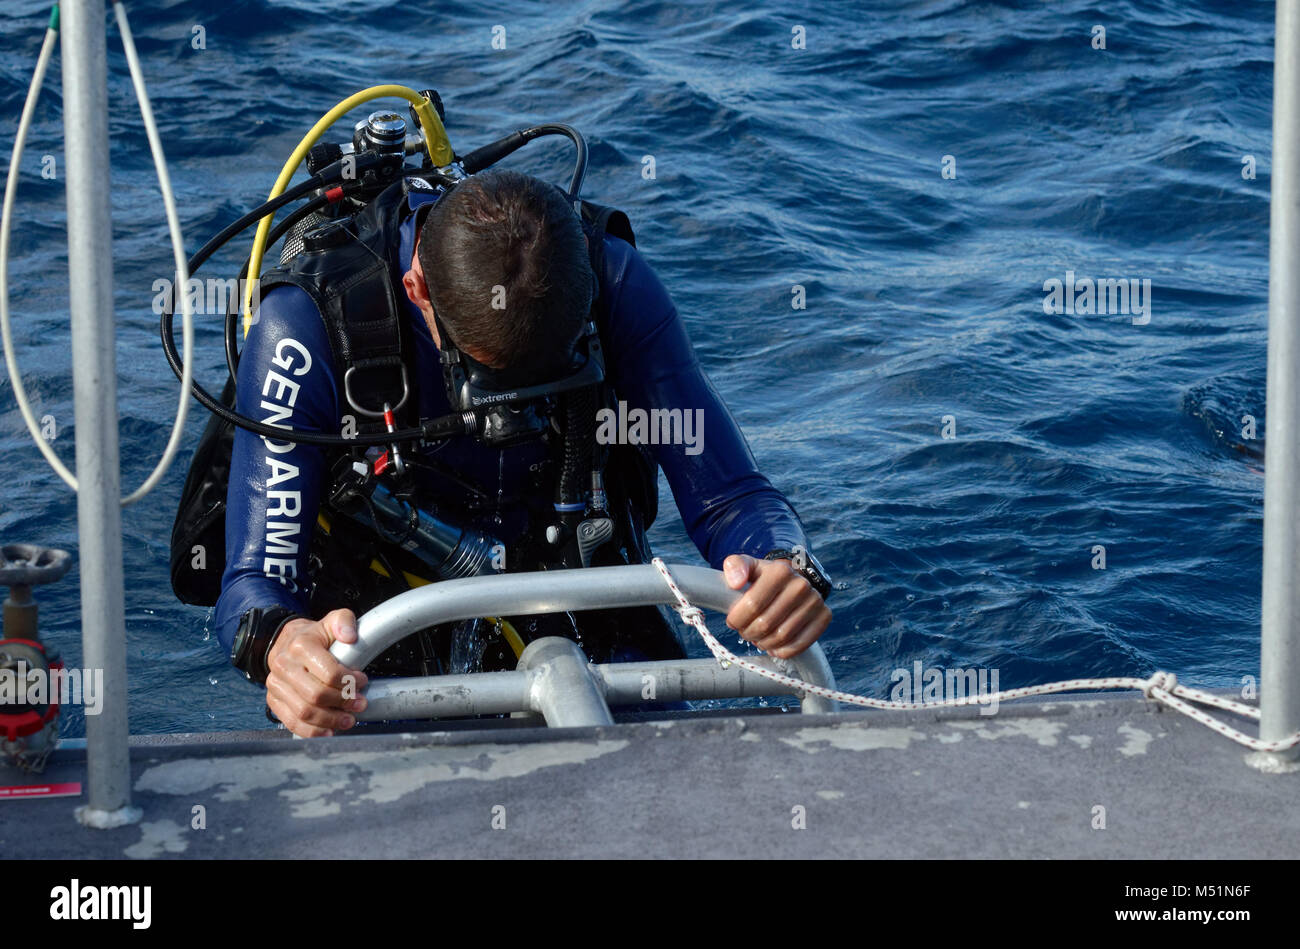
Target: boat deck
x=1025 y=782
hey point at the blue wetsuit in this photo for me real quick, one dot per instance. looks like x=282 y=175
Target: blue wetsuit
x=287 y=378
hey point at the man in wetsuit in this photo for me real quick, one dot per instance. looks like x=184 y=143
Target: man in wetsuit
x=496 y=236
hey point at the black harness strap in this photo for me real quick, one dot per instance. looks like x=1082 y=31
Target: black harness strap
x=608 y=221
x=345 y=268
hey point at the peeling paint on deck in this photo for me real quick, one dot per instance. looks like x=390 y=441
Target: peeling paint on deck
x=317 y=786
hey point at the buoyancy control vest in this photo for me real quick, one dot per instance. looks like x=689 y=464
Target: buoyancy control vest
x=348 y=266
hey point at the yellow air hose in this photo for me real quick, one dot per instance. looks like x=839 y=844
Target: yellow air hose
x=439 y=148
x=435 y=141
x=504 y=626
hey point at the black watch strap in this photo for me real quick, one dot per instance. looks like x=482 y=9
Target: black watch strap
x=258 y=629
x=806 y=565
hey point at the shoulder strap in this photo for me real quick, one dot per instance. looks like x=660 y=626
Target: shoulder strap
x=597 y=221
x=346 y=267
x=631 y=473
x=608 y=221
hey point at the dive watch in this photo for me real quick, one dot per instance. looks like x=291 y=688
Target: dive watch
x=257 y=632
x=807 y=566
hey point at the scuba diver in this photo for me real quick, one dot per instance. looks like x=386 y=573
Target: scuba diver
x=527 y=317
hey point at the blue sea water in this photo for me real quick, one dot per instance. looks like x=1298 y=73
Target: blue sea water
x=774 y=166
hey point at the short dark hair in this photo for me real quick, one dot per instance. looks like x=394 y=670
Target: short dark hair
x=508 y=230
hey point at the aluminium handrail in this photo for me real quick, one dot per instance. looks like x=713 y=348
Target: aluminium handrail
x=554 y=679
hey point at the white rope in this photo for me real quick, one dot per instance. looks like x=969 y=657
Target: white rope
x=1163 y=687
x=178 y=251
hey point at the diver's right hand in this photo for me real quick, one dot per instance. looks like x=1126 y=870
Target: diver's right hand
x=305 y=684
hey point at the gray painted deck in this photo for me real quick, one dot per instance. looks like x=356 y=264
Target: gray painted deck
x=1022 y=783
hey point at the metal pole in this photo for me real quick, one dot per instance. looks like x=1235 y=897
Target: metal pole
x=623 y=684
x=1279 y=694
x=447 y=696
x=94 y=374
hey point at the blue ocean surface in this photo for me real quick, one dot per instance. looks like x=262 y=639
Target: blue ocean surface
x=921 y=170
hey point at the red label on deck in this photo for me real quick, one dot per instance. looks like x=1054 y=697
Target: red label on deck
x=70 y=789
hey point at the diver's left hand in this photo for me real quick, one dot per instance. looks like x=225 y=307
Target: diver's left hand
x=780 y=613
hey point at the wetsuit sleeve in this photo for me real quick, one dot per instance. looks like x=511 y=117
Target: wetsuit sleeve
x=286 y=379
x=726 y=503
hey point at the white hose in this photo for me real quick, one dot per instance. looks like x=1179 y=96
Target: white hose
x=178 y=249
x=11 y=188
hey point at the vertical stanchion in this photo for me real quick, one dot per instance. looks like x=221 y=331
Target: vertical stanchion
x=94 y=375
x=1279 y=694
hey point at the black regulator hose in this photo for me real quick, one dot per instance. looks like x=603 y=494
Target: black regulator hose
x=224 y=236
x=579 y=445
x=493 y=152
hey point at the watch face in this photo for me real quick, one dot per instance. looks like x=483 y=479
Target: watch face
x=816 y=564
x=812 y=568
x=242 y=637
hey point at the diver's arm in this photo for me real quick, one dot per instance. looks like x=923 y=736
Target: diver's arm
x=731 y=511
x=286 y=378
x=726 y=503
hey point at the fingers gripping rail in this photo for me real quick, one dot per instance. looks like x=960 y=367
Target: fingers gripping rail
x=554 y=677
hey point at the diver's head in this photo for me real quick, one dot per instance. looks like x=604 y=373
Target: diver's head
x=502 y=263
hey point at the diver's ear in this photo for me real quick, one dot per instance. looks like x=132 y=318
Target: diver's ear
x=417 y=291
